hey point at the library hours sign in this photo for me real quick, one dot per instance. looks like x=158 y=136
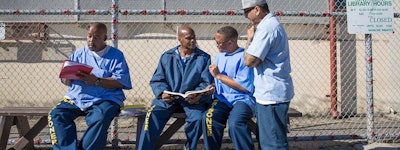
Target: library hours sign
x=369 y=16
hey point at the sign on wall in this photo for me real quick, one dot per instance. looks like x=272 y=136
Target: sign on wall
x=369 y=16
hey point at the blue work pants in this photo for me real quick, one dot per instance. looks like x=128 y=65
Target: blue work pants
x=98 y=119
x=214 y=123
x=158 y=115
x=272 y=126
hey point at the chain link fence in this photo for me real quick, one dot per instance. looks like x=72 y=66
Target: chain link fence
x=328 y=64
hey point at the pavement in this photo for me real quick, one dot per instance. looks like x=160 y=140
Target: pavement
x=302 y=145
x=342 y=145
x=311 y=145
x=381 y=146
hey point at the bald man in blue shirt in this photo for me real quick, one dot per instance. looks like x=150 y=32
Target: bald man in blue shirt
x=98 y=95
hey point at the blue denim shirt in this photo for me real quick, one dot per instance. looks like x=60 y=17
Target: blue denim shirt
x=272 y=79
x=171 y=75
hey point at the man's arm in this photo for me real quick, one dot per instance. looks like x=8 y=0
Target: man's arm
x=250 y=60
x=225 y=79
x=206 y=76
x=207 y=79
x=104 y=82
x=119 y=79
x=110 y=83
x=158 y=81
x=230 y=82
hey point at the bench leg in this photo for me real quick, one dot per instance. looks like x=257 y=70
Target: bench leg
x=140 y=121
x=114 y=134
x=26 y=140
x=23 y=128
x=5 y=126
x=253 y=126
x=174 y=127
x=288 y=124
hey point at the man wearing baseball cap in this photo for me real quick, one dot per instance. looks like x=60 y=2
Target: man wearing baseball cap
x=268 y=54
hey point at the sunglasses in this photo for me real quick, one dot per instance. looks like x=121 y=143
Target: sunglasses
x=247 y=10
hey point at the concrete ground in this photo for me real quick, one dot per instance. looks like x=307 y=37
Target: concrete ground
x=299 y=145
x=305 y=145
x=381 y=146
x=127 y=127
x=317 y=145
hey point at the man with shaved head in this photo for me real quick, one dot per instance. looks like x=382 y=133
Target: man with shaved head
x=98 y=95
x=180 y=69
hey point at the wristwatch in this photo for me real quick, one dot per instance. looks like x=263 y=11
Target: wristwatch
x=98 y=82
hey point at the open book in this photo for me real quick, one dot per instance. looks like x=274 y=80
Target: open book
x=70 y=69
x=187 y=93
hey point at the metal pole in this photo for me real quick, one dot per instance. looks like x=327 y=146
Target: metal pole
x=164 y=8
x=114 y=37
x=332 y=37
x=77 y=7
x=370 y=88
x=114 y=24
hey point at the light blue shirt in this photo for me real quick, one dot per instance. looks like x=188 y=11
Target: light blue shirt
x=232 y=65
x=272 y=79
x=111 y=65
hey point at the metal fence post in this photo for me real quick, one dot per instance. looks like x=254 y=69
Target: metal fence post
x=370 y=92
x=114 y=37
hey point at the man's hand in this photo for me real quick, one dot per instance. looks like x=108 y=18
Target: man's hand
x=87 y=78
x=194 y=98
x=168 y=98
x=250 y=60
x=250 y=34
x=213 y=70
x=66 y=81
x=211 y=89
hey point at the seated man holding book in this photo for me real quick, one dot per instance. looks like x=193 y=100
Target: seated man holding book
x=97 y=95
x=180 y=69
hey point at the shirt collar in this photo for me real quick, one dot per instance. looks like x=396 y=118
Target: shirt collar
x=236 y=51
x=102 y=52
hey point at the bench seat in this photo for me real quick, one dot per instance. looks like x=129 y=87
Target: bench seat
x=180 y=121
x=18 y=116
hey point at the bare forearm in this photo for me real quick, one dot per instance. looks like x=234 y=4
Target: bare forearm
x=230 y=82
x=250 y=60
x=110 y=83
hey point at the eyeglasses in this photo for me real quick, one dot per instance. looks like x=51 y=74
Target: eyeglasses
x=247 y=10
x=221 y=43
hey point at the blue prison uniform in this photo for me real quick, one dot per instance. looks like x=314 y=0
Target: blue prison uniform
x=99 y=105
x=230 y=104
x=177 y=75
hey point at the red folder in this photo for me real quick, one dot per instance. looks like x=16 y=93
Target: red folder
x=70 y=69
